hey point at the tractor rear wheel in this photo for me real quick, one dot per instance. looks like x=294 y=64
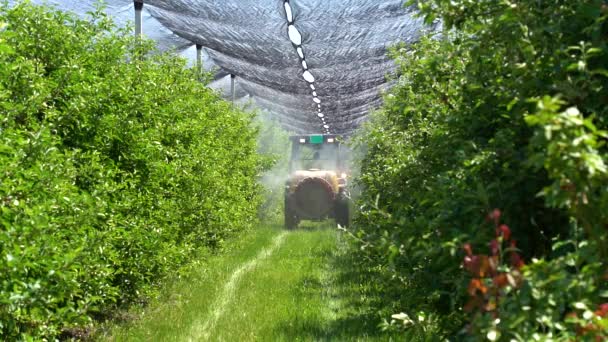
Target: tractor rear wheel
x=291 y=220
x=341 y=210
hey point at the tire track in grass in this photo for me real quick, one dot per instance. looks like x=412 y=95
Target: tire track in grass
x=204 y=330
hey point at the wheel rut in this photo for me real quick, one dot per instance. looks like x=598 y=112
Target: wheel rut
x=202 y=330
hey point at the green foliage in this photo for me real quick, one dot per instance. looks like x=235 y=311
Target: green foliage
x=116 y=166
x=572 y=150
x=507 y=108
x=557 y=300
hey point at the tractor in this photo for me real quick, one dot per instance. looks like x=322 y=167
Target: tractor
x=316 y=188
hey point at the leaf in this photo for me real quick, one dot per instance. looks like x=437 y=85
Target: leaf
x=580 y=306
x=493 y=335
x=600 y=72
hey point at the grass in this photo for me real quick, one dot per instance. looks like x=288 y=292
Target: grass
x=271 y=285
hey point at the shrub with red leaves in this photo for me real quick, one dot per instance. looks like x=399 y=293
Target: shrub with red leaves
x=500 y=290
x=591 y=330
x=490 y=274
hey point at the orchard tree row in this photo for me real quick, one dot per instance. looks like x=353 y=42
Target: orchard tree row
x=117 y=166
x=485 y=186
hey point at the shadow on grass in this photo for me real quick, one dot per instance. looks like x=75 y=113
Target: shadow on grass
x=353 y=300
x=308 y=226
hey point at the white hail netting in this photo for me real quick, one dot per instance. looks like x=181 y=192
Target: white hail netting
x=344 y=44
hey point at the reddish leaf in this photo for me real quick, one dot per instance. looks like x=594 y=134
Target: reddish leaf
x=602 y=310
x=516 y=261
x=494 y=248
x=571 y=316
x=500 y=280
x=476 y=285
x=493 y=265
x=472 y=264
x=467 y=249
x=473 y=303
x=480 y=265
x=506 y=232
x=496 y=215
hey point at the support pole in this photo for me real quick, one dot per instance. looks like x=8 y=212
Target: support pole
x=233 y=87
x=199 y=58
x=139 y=6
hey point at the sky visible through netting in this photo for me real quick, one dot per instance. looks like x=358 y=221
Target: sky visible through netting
x=317 y=66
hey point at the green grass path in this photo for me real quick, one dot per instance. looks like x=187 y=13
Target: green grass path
x=270 y=285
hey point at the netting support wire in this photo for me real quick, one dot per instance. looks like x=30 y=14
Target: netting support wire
x=139 y=6
x=199 y=58
x=233 y=87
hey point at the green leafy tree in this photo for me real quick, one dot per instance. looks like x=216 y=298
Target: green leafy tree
x=506 y=108
x=117 y=165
